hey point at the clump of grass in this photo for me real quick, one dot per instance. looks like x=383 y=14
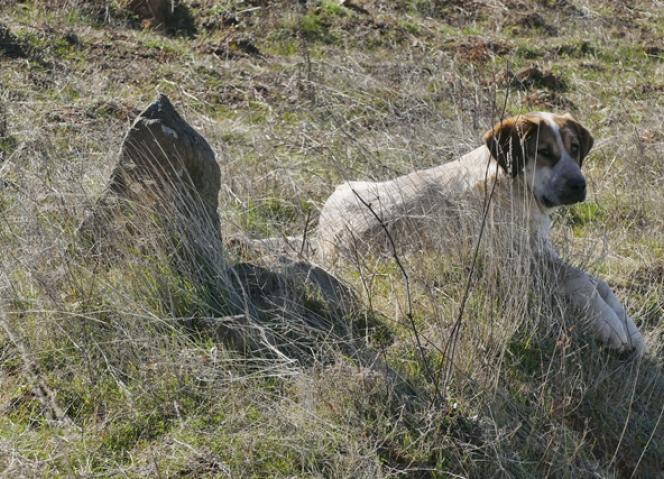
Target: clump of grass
x=128 y=366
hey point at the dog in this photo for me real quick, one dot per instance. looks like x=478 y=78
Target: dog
x=529 y=164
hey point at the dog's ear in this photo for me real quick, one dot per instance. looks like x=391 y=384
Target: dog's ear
x=586 y=140
x=506 y=142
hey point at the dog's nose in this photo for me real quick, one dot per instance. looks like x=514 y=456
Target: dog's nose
x=577 y=185
x=574 y=191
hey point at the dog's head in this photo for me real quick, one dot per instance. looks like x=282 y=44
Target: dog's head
x=547 y=150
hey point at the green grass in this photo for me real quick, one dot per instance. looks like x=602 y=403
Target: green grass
x=144 y=392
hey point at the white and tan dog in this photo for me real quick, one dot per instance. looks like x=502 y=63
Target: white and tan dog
x=534 y=161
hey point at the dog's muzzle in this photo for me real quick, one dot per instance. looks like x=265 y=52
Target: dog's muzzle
x=573 y=192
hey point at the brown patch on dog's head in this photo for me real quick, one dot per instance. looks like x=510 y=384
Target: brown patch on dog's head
x=585 y=139
x=506 y=142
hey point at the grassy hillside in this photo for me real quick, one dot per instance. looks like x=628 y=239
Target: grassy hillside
x=99 y=377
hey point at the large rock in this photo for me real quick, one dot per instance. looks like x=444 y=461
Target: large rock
x=156 y=12
x=162 y=146
x=297 y=310
x=166 y=176
x=10 y=44
x=162 y=197
x=277 y=285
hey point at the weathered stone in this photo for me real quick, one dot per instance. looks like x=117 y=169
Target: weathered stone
x=281 y=282
x=337 y=297
x=534 y=77
x=10 y=45
x=162 y=146
x=295 y=308
x=156 y=12
x=275 y=322
x=166 y=175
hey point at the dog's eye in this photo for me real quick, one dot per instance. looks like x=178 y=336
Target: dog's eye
x=574 y=149
x=545 y=152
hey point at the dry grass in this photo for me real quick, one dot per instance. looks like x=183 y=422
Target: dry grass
x=101 y=369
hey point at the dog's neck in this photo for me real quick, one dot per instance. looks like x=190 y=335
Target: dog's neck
x=512 y=194
x=476 y=175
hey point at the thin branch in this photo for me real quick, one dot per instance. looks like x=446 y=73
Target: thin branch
x=409 y=300
x=450 y=346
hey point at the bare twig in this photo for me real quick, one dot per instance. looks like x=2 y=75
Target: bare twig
x=409 y=300
x=306 y=85
x=450 y=346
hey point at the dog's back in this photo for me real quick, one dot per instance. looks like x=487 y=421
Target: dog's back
x=356 y=217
